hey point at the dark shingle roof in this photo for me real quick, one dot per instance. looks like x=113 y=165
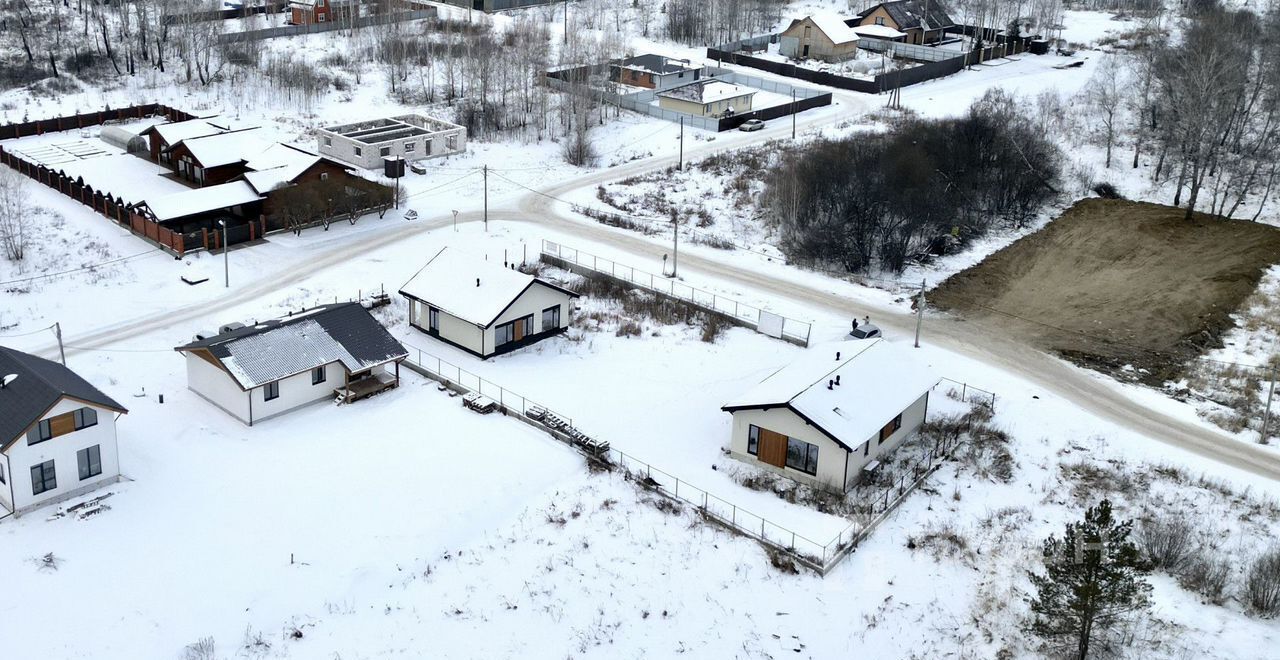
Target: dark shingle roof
x=268 y=351
x=907 y=13
x=657 y=63
x=39 y=385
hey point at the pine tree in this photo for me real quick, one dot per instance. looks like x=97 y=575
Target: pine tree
x=1093 y=579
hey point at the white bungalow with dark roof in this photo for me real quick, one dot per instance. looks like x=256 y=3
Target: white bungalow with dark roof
x=57 y=433
x=483 y=308
x=708 y=98
x=837 y=409
x=333 y=352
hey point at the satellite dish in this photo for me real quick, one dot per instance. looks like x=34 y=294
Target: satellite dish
x=8 y=379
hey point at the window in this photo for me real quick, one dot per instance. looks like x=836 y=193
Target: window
x=328 y=141
x=2 y=474
x=357 y=151
x=452 y=142
x=41 y=432
x=551 y=318
x=384 y=151
x=866 y=448
x=318 y=375
x=893 y=425
x=802 y=456
x=516 y=330
x=427 y=144
x=320 y=17
x=433 y=319
x=879 y=20
x=271 y=391
x=807 y=31
x=43 y=478
x=753 y=440
x=410 y=147
x=90 y=460
x=324 y=176
x=85 y=417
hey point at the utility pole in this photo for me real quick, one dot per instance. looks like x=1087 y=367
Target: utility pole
x=1266 y=415
x=455 y=221
x=226 y=257
x=680 y=163
x=793 y=113
x=62 y=352
x=919 y=312
x=566 y=21
x=675 y=243
x=486 y=198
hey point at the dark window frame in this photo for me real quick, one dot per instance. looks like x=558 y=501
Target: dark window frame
x=87 y=460
x=319 y=375
x=808 y=458
x=753 y=439
x=48 y=479
x=82 y=415
x=555 y=323
x=271 y=391
x=41 y=432
x=896 y=422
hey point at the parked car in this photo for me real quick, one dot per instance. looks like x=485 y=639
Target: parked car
x=865 y=331
x=751 y=125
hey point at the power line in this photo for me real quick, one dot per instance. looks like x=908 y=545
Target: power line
x=76 y=270
x=27 y=334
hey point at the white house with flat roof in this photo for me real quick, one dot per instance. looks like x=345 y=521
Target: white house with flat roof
x=482 y=307
x=823 y=418
x=412 y=137
x=57 y=434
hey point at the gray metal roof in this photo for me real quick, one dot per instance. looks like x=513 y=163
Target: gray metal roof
x=272 y=350
x=659 y=64
x=907 y=13
x=39 y=385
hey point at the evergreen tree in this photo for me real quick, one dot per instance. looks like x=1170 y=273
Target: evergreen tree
x=1093 y=579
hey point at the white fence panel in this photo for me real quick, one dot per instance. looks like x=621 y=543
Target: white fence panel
x=770 y=324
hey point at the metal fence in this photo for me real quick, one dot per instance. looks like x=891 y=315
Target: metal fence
x=909 y=51
x=968 y=393
x=312 y=28
x=763 y=321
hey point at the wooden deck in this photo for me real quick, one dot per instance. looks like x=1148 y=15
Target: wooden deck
x=366 y=387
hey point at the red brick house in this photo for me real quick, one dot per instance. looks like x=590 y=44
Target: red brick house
x=306 y=12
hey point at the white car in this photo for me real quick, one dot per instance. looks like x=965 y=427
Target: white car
x=865 y=331
x=751 y=125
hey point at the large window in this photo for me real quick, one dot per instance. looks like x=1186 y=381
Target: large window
x=43 y=478
x=889 y=429
x=551 y=318
x=271 y=391
x=2 y=473
x=753 y=440
x=514 y=331
x=90 y=461
x=318 y=375
x=85 y=417
x=802 y=456
x=410 y=147
x=62 y=424
x=41 y=432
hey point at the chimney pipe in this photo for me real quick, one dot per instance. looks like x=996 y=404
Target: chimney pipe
x=477 y=282
x=837 y=356
x=837 y=379
x=831 y=385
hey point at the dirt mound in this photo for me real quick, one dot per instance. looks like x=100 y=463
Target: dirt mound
x=1114 y=282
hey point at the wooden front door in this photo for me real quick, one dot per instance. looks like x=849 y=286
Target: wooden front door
x=517 y=331
x=773 y=448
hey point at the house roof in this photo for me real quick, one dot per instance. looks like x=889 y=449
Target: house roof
x=177 y=131
x=908 y=13
x=707 y=91
x=449 y=282
x=660 y=64
x=878 y=31
x=226 y=148
x=878 y=380
x=201 y=200
x=278 y=165
x=272 y=350
x=40 y=384
x=831 y=25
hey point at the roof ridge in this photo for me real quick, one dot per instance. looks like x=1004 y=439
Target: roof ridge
x=862 y=349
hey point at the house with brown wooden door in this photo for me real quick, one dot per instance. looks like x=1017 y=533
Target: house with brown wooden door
x=257 y=371
x=57 y=434
x=923 y=21
x=832 y=414
x=483 y=307
x=819 y=37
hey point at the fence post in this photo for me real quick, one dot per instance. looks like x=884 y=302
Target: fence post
x=734 y=518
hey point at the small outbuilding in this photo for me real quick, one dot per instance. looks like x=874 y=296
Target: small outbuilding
x=57 y=433
x=833 y=412
x=819 y=37
x=483 y=308
x=255 y=372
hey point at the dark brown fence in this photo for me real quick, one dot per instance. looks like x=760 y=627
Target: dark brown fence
x=881 y=83
x=113 y=208
x=800 y=105
x=225 y=14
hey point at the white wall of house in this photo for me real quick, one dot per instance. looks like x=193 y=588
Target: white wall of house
x=217 y=387
x=62 y=450
x=535 y=299
x=740 y=104
x=369 y=156
x=452 y=328
x=834 y=471
x=297 y=391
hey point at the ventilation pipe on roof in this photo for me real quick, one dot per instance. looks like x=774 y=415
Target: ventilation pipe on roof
x=837 y=379
x=831 y=385
x=837 y=356
x=477 y=282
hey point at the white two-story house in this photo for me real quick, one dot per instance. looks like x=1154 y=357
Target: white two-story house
x=57 y=433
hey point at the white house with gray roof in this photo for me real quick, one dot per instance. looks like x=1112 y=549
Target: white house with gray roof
x=333 y=352
x=836 y=410
x=57 y=434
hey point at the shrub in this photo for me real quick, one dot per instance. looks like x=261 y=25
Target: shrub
x=1106 y=191
x=1206 y=576
x=1262 y=586
x=1165 y=542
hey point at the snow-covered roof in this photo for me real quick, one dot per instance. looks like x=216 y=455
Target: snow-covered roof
x=470 y=288
x=175 y=132
x=278 y=165
x=273 y=350
x=834 y=27
x=226 y=148
x=879 y=31
x=200 y=200
x=878 y=380
x=708 y=91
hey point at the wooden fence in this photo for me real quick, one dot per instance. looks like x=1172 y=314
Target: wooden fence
x=68 y=122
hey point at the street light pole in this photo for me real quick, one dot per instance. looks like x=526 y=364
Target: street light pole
x=226 y=258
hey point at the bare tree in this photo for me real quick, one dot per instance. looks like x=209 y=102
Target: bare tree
x=14 y=214
x=1106 y=93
